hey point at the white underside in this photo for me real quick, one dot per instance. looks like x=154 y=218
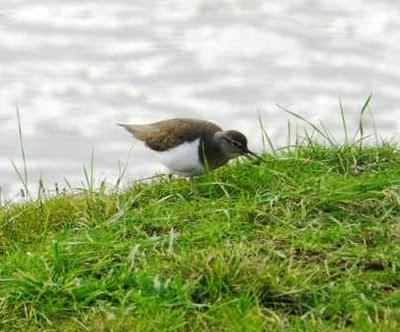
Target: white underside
x=183 y=160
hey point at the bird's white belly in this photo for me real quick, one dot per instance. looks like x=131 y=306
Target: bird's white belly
x=184 y=159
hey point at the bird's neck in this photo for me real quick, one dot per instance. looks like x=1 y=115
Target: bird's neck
x=211 y=152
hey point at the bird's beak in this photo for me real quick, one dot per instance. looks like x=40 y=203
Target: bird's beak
x=248 y=152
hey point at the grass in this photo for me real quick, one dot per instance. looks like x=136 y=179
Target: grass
x=308 y=241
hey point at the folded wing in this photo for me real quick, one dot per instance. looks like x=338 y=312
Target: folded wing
x=163 y=135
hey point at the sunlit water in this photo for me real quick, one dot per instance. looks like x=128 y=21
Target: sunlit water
x=75 y=68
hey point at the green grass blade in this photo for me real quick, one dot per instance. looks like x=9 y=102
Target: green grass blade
x=265 y=136
x=22 y=175
x=344 y=124
x=360 y=129
x=22 y=146
x=319 y=131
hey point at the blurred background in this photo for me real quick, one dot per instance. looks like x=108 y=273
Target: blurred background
x=75 y=68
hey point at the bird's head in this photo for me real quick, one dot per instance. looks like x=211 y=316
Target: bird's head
x=234 y=144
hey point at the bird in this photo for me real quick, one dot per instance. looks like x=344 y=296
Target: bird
x=188 y=147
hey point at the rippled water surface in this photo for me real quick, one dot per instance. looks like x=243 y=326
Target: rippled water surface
x=75 y=68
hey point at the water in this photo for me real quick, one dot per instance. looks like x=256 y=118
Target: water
x=74 y=68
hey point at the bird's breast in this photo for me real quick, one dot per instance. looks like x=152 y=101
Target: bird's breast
x=183 y=159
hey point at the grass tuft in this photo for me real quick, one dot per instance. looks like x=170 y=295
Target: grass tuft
x=308 y=241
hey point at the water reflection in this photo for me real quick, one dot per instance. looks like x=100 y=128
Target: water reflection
x=77 y=68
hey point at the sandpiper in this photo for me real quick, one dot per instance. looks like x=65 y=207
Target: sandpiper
x=188 y=147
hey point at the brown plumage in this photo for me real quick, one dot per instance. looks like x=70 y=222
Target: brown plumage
x=166 y=134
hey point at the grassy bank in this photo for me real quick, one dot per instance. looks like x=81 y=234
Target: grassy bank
x=308 y=241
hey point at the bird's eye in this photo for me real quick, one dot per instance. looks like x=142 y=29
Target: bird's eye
x=235 y=144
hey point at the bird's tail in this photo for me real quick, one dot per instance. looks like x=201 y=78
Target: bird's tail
x=138 y=131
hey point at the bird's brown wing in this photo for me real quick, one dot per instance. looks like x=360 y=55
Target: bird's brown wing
x=163 y=135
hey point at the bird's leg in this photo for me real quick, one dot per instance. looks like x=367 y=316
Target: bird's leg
x=194 y=191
